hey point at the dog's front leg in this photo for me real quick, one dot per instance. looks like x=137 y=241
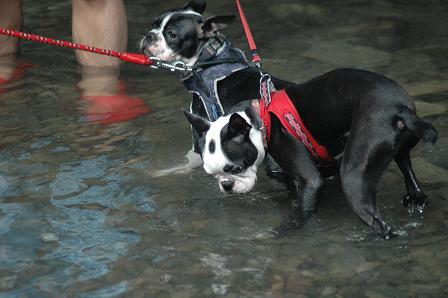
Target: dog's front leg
x=298 y=165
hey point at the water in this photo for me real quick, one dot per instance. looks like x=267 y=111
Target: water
x=82 y=215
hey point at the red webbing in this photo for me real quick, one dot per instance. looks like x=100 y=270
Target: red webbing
x=128 y=57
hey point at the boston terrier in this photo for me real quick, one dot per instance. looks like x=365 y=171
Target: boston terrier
x=221 y=76
x=363 y=119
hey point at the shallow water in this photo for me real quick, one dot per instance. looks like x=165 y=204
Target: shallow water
x=82 y=215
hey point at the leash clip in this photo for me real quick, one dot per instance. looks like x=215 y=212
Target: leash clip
x=176 y=65
x=266 y=87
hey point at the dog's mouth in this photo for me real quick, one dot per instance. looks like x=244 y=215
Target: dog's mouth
x=226 y=185
x=145 y=50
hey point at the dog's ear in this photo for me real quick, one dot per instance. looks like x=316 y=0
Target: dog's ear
x=196 y=5
x=238 y=128
x=199 y=124
x=213 y=24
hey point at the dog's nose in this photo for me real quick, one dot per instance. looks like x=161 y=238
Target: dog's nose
x=227 y=185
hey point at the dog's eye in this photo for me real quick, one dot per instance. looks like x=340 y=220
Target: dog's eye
x=172 y=35
x=211 y=146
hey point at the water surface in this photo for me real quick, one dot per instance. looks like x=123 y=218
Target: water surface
x=82 y=215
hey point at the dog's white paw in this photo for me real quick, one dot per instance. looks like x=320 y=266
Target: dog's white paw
x=181 y=169
x=193 y=161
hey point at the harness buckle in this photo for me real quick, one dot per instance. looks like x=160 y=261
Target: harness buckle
x=266 y=88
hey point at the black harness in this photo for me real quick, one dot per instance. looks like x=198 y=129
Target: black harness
x=217 y=61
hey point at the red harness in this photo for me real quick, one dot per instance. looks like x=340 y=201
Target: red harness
x=282 y=107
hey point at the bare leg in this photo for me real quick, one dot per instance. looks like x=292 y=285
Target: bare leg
x=10 y=17
x=103 y=23
x=100 y=23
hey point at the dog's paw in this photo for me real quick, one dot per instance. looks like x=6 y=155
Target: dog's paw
x=193 y=161
x=415 y=203
x=182 y=169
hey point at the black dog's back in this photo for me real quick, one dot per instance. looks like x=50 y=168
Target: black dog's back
x=332 y=103
x=244 y=85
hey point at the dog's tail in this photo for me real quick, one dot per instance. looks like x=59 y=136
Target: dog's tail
x=417 y=126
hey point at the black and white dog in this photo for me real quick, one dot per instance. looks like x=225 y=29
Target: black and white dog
x=221 y=75
x=364 y=120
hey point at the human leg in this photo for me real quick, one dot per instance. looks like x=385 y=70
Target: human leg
x=99 y=23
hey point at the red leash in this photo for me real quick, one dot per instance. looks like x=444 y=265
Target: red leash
x=266 y=86
x=128 y=57
x=256 y=59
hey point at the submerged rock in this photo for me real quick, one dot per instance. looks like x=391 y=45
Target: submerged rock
x=49 y=237
x=426 y=109
x=7 y=282
x=365 y=266
x=329 y=291
x=429 y=173
x=339 y=53
x=427 y=87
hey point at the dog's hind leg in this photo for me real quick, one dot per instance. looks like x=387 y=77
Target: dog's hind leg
x=415 y=195
x=412 y=129
x=368 y=152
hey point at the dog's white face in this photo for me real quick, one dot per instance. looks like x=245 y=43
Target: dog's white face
x=178 y=34
x=232 y=150
x=173 y=36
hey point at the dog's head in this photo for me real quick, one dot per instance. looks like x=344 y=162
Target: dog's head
x=178 y=34
x=231 y=149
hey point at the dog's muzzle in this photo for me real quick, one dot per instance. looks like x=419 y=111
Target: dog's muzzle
x=146 y=42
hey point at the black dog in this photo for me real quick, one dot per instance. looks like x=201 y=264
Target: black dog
x=361 y=117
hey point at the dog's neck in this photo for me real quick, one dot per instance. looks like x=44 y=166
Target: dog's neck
x=215 y=51
x=255 y=106
x=216 y=61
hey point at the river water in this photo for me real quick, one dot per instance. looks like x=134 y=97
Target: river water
x=83 y=215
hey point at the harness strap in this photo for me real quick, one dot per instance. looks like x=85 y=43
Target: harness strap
x=208 y=71
x=211 y=47
x=282 y=107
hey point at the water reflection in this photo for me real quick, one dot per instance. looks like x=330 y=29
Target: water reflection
x=104 y=99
